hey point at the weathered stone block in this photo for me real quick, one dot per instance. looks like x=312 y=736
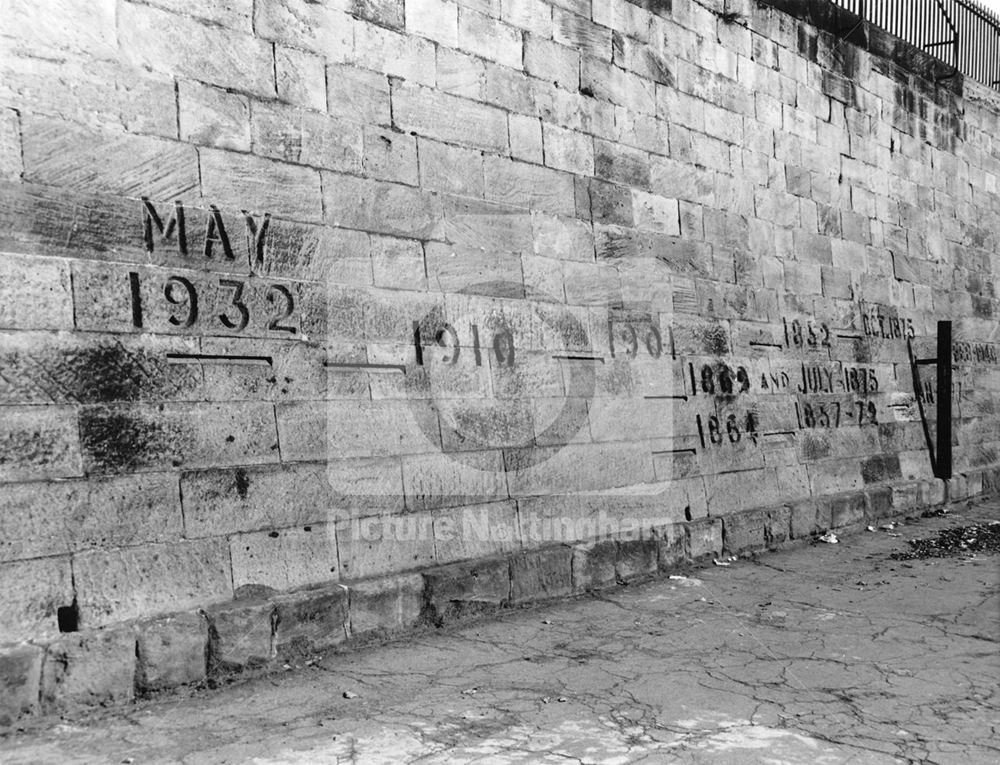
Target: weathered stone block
x=807 y=519
x=385 y=605
x=34 y=294
x=39 y=442
x=114 y=585
x=673 y=547
x=466 y=589
x=300 y=77
x=490 y=38
x=311 y=620
x=47 y=519
x=43 y=586
x=594 y=565
x=306 y=138
x=530 y=186
x=705 y=539
x=636 y=559
x=448 y=118
x=245 y=182
x=240 y=634
x=20 y=680
x=285 y=558
x=845 y=509
x=213 y=117
x=375 y=546
x=476 y=531
x=89 y=668
x=879 y=503
x=175 y=44
x=541 y=574
x=171 y=651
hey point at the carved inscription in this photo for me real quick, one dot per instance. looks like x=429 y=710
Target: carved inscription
x=274 y=305
x=217 y=242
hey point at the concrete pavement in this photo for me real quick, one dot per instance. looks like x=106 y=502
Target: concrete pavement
x=820 y=654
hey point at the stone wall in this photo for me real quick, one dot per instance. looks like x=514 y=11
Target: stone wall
x=299 y=293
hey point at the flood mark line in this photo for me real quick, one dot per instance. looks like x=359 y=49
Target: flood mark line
x=373 y=367
x=761 y=344
x=208 y=358
x=675 y=451
x=599 y=359
x=665 y=398
x=850 y=337
x=780 y=433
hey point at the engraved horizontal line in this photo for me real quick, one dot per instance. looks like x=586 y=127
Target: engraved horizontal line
x=209 y=358
x=569 y=357
x=781 y=433
x=675 y=451
x=923 y=362
x=665 y=398
x=759 y=344
x=850 y=337
x=372 y=367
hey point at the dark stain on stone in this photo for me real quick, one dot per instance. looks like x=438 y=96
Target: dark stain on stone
x=982 y=307
x=94 y=374
x=880 y=468
x=815 y=447
x=714 y=340
x=125 y=439
x=241 y=482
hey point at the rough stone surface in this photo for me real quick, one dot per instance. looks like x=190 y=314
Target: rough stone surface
x=87 y=669
x=20 y=678
x=171 y=651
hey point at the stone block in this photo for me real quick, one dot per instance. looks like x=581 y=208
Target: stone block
x=39 y=442
x=383 y=208
x=306 y=138
x=541 y=574
x=311 y=620
x=375 y=546
x=132 y=582
x=89 y=669
x=807 y=519
x=434 y=19
x=385 y=605
x=240 y=634
x=745 y=532
x=34 y=294
x=489 y=38
x=31 y=608
x=580 y=32
x=531 y=15
x=636 y=558
x=621 y=164
x=476 y=531
x=129 y=437
x=11 y=166
x=322 y=28
x=466 y=589
x=219 y=502
x=529 y=186
x=594 y=565
x=212 y=117
x=300 y=77
x=845 y=509
x=171 y=651
x=245 y=182
x=450 y=168
x=568 y=150
x=358 y=95
x=448 y=118
x=879 y=503
x=174 y=44
x=552 y=62
x=705 y=539
x=20 y=680
x=48 y=519
x=59 y=153
x=673 y=547
x=286 y=558
x=383 y=50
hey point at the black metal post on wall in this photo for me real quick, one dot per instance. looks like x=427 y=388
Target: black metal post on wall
x=943 y=463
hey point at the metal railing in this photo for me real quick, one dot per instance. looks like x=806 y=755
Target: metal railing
x=961 y=33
